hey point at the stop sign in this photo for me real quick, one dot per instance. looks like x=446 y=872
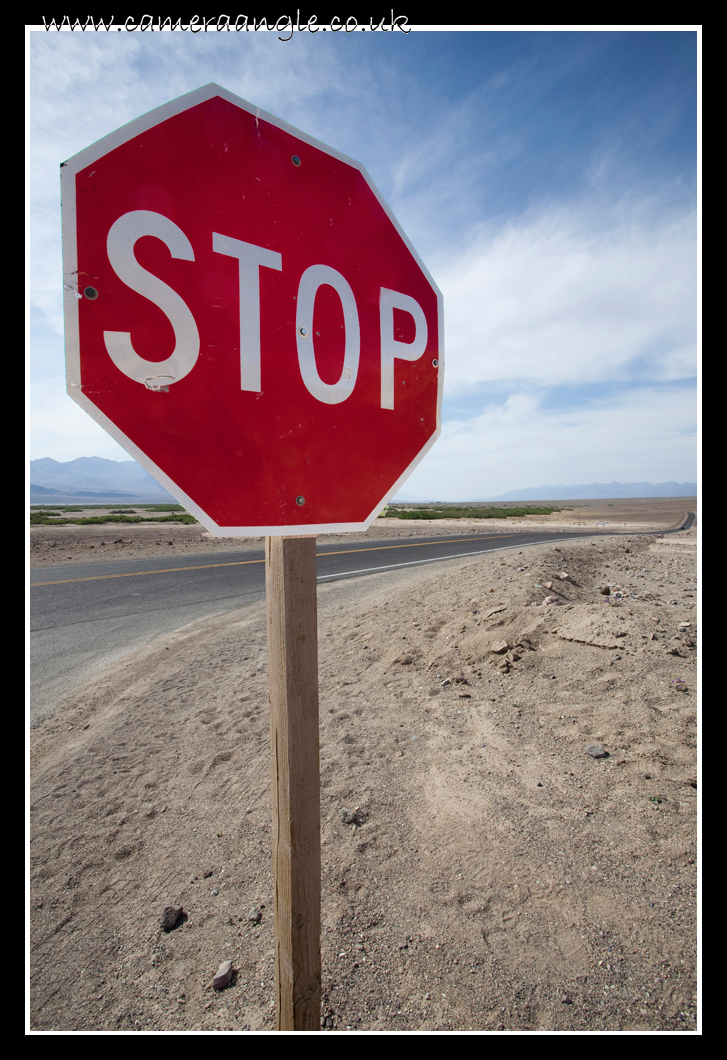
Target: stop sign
x=246 y=317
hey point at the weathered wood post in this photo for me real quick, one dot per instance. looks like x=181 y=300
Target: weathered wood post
x=290 y=579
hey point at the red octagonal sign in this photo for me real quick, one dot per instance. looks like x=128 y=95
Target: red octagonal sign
x=246 y=317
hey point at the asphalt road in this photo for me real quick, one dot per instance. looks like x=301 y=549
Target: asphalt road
x=83 y=617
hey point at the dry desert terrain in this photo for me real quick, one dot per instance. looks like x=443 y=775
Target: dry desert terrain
x=50 y=545
x=493 y=876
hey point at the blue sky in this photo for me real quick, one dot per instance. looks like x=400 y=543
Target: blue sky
x=548 y=179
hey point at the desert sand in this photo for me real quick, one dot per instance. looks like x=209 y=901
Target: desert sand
x=496 y=876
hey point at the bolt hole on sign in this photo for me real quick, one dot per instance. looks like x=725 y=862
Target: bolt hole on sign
x=246 y=317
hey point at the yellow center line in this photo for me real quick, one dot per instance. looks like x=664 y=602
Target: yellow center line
x=138 y=573
x=413 y=544
x=245 y=562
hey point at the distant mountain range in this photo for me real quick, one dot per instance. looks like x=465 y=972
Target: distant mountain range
x=93 y=480
x=591 y=491
x=600 y=490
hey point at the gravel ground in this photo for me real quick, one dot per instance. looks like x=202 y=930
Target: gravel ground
x=495 y=876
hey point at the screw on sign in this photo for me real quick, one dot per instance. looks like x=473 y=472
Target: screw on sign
x=245 y=316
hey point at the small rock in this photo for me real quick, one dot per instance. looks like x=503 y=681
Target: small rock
x=499 y=647
x=465 y=695
x=255 y=915
x=355 y=816
x=595 y=750
x=548 y=585
x=605 y=590
x=224 y=974
x=170 y=916
x=550 y=600
x=564 y=576
x=565 y=1000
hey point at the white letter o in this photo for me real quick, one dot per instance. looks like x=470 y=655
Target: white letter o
x=310 y=281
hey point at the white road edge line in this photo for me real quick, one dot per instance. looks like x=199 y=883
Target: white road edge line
x=418 y=562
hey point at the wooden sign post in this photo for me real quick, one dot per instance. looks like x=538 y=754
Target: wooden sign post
x=273 y=460
x=290 y=583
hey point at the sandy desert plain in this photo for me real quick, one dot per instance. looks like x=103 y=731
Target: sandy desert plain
x=494 y=876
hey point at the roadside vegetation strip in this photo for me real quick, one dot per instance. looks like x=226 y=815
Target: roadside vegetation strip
x=57 y=519
x=453 y=512
x=167 y=506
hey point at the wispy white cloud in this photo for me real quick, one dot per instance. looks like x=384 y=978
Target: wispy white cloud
x=644 y=434
x=566 y=297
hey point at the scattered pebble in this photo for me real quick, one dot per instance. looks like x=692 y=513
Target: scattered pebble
x=355 y=816
x=255 y=915
x=595 y=750
x=170 y=916
x=223 y=976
